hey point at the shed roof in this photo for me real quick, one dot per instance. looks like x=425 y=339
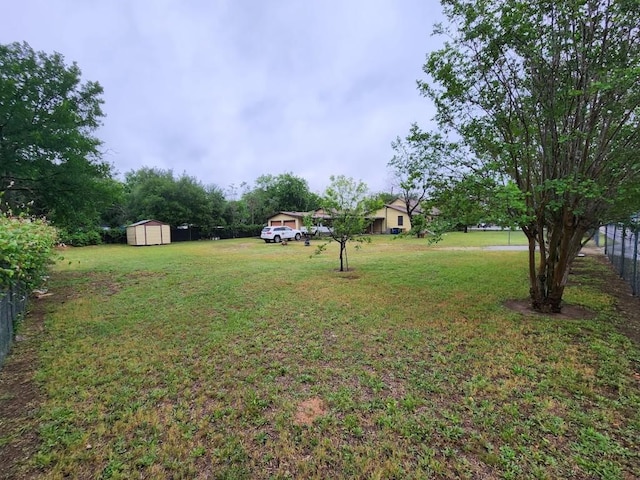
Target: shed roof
x=147 y=222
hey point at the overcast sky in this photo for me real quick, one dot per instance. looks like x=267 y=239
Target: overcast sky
x=228 y=90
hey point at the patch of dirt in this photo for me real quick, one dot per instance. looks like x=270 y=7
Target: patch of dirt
x=569 y=312
x=20 y=397
x=349 y=276
x=309 y=410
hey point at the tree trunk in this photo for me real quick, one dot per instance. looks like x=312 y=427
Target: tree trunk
x=343 y=245
x=557 y=250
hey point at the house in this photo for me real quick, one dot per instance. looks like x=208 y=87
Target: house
x=148 y=232
x=296 y=219
x=392 y=218
x=289 y=219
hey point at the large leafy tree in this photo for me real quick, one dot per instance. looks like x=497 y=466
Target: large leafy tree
x=274 y=193
x=158 y=194
x=418 y=166
x=547 y=95
x=49 y=156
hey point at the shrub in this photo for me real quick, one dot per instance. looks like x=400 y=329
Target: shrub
x=81 y=237
x=26 y=250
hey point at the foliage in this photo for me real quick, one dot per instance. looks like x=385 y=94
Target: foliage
x=154 y=193
x=236 y=213
x=114 y=214
x=419 y=225
x=418 y=165
x=385 y=197
x=474 y=198
x=277 y=193
x=26 y=250
x=546 y=95
x=114 y=235
x=347 y=204
x=49 y=157
x=81 y=237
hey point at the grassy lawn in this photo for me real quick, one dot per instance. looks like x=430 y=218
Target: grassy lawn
x=237 y=359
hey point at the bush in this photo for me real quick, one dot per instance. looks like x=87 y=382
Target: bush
x=81 y=237
x=26 y=250
x=114 y=235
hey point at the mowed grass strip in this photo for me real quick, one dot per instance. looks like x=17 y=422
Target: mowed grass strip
x=238 y=359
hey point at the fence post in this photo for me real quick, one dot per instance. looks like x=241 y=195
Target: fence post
x=634 y=281
x=606 y=238
x=13 y=302
x=622 y=235
x=6 y=322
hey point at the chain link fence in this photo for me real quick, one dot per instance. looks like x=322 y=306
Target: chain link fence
x=621 y=245
x=13 y=302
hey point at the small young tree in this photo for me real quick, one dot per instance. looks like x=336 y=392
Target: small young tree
x=347 y=204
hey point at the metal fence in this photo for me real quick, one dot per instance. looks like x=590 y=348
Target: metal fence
x=621 y=245
x=13 y=301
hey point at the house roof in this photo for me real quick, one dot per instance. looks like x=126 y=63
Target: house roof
x=403 y=208
x=314 y=213
x=293 y=214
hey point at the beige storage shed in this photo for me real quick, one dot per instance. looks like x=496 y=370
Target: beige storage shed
x=148 y=232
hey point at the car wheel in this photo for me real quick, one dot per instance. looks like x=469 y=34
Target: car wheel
x=276 y=239
x=297 y=237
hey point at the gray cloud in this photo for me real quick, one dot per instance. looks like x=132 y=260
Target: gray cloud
x=230 y=90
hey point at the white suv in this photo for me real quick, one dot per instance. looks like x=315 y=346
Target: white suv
x=277 y=234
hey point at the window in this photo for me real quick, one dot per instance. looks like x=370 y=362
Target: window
x=400 y=220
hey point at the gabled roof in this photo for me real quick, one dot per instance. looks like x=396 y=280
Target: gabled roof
x=293 y=214
x=319 y=213
x=145 y=222
x=403 y=208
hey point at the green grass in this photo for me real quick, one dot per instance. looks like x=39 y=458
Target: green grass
x=483 y=238
x=193 y=360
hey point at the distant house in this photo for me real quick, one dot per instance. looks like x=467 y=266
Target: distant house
x=148 y=232
x=296 y=219
x=392 y=218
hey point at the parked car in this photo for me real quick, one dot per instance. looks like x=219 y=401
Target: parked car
x=317 y=230
x=277 y=234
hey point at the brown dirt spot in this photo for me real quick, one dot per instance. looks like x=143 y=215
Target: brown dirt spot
x=309 y=410
x=20 y=397
x=347 y=274
x=569 y=312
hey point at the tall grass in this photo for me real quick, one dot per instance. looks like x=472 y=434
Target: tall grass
x=198 y=360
